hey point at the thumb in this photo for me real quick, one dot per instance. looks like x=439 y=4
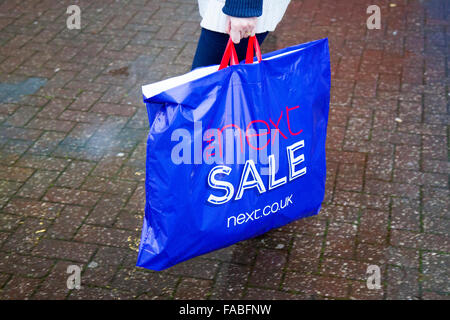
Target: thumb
x=235 y=36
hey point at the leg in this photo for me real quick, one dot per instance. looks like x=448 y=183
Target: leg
x=211 y=46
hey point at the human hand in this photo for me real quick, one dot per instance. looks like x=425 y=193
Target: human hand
x=239 y=28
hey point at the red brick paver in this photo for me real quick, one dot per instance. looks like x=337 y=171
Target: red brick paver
x=72 y=155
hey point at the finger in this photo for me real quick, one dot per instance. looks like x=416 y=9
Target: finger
x=235 y=36
x=252 y=30
x=253 y=27
x=246 y=32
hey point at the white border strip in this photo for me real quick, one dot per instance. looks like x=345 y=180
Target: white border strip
x=156 y=88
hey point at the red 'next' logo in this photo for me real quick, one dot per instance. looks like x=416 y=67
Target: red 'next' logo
x=250 y=132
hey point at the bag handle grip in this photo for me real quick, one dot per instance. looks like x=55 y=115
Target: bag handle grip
x=230 y=55
x=253 y=44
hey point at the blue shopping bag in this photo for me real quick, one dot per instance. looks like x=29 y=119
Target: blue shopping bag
x=235 y=152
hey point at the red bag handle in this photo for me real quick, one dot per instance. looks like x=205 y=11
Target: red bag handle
x=253 y=44
x=230 y=55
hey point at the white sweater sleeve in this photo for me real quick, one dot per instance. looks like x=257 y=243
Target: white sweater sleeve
x=215 y=20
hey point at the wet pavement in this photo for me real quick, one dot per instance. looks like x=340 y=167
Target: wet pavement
x=72 y=155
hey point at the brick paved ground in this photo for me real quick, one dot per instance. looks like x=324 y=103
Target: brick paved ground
x=72 y=155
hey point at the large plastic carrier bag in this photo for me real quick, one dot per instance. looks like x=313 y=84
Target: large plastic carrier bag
x=234 y=152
